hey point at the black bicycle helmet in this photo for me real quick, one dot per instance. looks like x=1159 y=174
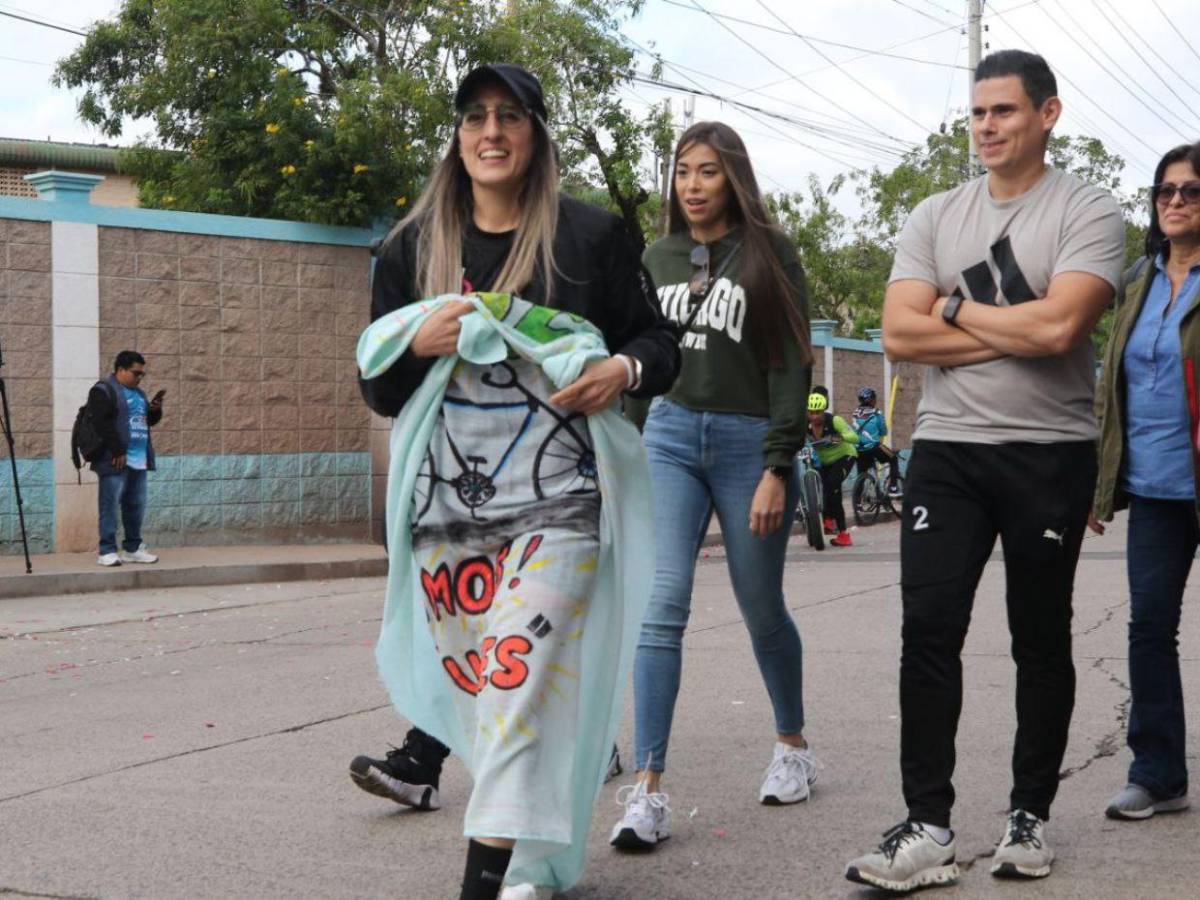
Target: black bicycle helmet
x=866 y=395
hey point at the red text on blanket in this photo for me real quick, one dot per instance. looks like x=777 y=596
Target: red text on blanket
x=471 y=589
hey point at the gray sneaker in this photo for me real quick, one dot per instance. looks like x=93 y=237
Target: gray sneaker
x=1135 y=802
x=1023 y=851
x=907 y=859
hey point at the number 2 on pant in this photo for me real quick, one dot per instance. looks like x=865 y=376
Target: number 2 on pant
x=921 y=515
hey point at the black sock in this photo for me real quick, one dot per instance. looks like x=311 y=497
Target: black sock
x=485 y=871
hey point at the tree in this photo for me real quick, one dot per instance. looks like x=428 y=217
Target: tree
x=335 y=112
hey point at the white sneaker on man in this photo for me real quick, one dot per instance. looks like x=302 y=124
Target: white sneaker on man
x=792 y=772
x=140 y=555
x=1023 y=851
x=908 y=858
x=108 y=559
x=647 y=819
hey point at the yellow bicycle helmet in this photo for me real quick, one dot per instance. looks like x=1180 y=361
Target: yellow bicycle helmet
x=817 y=403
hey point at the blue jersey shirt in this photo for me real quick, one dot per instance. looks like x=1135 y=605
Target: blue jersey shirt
x=1159 y=456
x=871 y=427
x=139 y=431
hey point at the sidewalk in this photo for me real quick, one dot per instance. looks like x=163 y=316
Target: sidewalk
x=78 y=573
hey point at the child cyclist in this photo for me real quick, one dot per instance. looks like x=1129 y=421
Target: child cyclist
x=871 y=427
x=834 y=443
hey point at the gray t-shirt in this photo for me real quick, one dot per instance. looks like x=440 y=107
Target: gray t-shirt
x=1003 y=253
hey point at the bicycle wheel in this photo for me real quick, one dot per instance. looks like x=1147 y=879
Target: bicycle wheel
x=427 y=479
x=894 y=504
x=811 y=488
x=866 y=499
x=565 y=463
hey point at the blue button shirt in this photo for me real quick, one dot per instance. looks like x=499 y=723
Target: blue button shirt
x=1158 y=462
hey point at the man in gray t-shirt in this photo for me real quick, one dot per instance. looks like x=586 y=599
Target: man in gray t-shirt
x=996 y=286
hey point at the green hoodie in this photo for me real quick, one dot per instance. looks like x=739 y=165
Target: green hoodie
x=721 y=370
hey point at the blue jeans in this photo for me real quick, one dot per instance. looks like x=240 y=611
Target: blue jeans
x=126 y=489
x=701 y=462
x=1161 y=544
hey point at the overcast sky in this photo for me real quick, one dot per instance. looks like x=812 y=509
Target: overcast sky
x=868 y=109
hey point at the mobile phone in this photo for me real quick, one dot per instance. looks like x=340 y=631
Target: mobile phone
x=157 y=397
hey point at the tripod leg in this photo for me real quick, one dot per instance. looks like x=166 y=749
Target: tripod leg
x=6 y=424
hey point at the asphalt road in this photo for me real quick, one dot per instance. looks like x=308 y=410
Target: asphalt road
x=193 y=742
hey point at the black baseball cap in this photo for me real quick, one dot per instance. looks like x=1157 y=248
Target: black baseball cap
x=521 y=83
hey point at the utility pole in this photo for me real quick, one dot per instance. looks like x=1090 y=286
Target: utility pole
x=975 y=40
x=665 y=177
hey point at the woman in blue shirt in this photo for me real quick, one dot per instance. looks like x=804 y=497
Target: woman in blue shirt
x=1149 y=416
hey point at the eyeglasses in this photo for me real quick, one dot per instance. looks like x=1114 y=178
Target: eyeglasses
x=698 y=283
x=474 y=117
x=1164 y=194
x=138 y=373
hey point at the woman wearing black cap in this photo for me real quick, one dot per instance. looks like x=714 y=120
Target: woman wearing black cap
x=491 y=219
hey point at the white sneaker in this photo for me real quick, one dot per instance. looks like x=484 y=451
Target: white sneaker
x=526 y=892
x=1023 y=851
x=789 y=777
x=647 y=819
x=140 y=555
x=108 y=559
x=908 y=858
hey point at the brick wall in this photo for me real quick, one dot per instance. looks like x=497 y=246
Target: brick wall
x=254 y=342
x=26 y=345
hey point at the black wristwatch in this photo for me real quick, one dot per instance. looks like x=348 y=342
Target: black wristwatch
x=783 y=473
x=950 y=311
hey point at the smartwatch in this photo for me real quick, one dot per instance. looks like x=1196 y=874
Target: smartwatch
x=950 y=311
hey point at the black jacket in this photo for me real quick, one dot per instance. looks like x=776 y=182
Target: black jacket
x=600 y=277
x=112 y=424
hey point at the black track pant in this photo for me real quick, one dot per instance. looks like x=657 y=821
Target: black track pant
x=957 y=499
x=880 y=453
x=832 y=476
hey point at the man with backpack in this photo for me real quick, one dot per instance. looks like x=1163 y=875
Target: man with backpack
x=121 y=418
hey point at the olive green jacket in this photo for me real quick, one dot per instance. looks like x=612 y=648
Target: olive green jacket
x=1110 y=392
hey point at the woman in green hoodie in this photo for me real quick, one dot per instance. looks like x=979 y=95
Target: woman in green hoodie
x=723 y=440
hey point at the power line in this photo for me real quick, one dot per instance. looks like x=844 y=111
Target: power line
x=920 y=12
x=790 y=32
x=741 y=39
x=1139 y=55
x=28 y=62
x=42 y=23
x=1170 y=67
x=853 y=141
x=1175 y=29
x=30 y=12
x=1079 y=90
x=740 y=89
x=826 y=57
x=1046 y=11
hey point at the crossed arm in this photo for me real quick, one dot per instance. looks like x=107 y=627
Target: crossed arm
x=914 y=331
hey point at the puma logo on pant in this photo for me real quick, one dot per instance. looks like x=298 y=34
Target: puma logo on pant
x=1054 y=535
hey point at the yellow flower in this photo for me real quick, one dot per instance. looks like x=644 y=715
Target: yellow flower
x=272 y=128
x=297 y=101
x=289 y=169
x=282 y=71
x=359 y=168
x=169 y=199
x=309 y=144
x=408 y=146
x=402 y=201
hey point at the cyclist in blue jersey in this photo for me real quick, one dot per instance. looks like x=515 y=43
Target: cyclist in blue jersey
x=871 y=426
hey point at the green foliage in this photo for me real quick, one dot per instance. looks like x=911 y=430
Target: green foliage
x=334 y=112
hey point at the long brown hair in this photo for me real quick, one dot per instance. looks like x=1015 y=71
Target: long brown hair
x=444 y=210
x=772 y=307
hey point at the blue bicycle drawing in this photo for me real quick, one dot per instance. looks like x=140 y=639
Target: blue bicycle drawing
x=564 y=464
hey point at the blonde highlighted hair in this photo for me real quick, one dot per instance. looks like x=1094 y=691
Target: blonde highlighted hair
x=443 y=211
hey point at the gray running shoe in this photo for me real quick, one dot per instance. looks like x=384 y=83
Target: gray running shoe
x=907 y=859
x=1023 y=851
x=1135 y=802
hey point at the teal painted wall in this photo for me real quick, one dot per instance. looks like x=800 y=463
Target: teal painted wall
x=37 y=494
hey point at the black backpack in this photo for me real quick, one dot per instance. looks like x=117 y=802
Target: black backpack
x=86 y=445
